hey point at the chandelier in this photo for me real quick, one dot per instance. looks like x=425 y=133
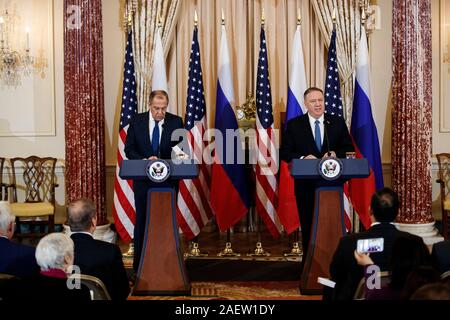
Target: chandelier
x=14 y=63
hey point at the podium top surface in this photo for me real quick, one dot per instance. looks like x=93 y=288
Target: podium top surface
x=308 y=168
x=136 y=169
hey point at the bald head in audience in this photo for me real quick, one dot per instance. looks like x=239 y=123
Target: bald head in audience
x=82 y=216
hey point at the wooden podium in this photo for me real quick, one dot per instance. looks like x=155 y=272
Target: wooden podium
x=328 y=221
x=161 y=269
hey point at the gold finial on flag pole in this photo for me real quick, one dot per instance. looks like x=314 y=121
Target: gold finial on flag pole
x=195 y=18
x=223 y=18
x=334 y=15
x=363 y=17
x=263 y=17
x=299 y=17
x=158 y=19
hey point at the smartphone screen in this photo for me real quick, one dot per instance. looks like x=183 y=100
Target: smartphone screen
x=370 y=245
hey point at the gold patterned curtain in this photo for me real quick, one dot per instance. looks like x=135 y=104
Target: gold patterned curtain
x=243 y=25
x=348 y=31
x=145 y=14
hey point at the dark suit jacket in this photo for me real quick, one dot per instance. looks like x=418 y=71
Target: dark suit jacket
x=440 y=254
x=17 y=259
x=344 y=269
x=298 y=140
x=138 y=144
x=40 y=288
x=104 y=261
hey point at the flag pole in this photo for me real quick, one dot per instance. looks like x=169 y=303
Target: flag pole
x=130 y=253
x=295 y=250
x=259 y=250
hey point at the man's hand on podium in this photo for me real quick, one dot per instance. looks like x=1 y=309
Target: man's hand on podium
x=329 y=154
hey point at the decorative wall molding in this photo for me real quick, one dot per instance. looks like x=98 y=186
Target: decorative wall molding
x=29 y=109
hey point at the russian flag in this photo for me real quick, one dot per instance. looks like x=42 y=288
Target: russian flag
x=229 y=193
x=287 y=205
x=365 y=137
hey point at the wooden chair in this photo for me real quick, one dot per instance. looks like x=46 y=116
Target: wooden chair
x=360 y=293
x=3 y=186
x=39 y=185
x=95 y=285
x=444 y=181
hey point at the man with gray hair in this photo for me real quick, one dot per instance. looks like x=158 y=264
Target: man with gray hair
x=94 y=257
x=15 y=259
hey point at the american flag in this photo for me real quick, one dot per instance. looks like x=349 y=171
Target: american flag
x=267 y=162
x=333 y=106
x=124 y=211
x=193 y=208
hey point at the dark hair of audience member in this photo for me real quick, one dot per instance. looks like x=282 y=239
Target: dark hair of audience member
x=432 y=291
x=384 y=205
x=419 y=277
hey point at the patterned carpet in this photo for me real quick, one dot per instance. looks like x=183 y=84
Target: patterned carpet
x=249 y=290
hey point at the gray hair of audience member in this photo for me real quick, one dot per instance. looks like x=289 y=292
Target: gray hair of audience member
x=6 y=216
x=55 y=251
x=80 y=214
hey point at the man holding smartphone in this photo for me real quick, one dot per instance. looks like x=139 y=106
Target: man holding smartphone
x=344 y=270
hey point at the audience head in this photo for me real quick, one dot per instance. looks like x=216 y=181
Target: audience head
x=384 y=205
x=314 y=102
x=408 y=253
x=158 y=102
x=55 y=251
x=82 y=216
x=432 y=291
x=6 y=220
x=419 y=277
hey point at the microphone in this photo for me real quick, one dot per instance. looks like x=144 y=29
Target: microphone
x=325 y=133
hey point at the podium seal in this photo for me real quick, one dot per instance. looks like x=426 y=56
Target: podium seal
x=330 y=168
x=158 y=171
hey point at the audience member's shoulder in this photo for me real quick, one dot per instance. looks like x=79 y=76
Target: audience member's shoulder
x=24 y=248
x=442 y=245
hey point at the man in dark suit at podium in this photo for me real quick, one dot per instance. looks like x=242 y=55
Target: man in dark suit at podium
x=149 y=137
x=314 y=135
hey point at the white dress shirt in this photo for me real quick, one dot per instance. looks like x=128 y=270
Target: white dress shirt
x=312 y=121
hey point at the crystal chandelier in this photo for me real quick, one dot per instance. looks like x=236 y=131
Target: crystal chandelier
x=14 y=64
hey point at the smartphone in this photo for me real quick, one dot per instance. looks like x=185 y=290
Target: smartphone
x=370 y=245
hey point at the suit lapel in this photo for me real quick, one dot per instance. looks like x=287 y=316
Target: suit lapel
x=165 y=138
x=146 y=128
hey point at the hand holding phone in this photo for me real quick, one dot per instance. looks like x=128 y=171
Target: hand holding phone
x=370 y=245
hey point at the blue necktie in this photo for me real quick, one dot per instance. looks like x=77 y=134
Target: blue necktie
x=155 y=139
x=317 y=135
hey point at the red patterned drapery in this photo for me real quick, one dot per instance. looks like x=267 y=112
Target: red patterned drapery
x=84 y=104
x=412 y=109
